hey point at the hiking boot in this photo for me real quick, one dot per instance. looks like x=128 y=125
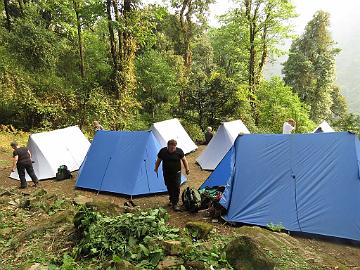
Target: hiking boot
x=36 y=184
x=23 y=187
x=176 y=208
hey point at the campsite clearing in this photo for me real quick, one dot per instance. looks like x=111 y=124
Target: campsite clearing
x=22 y=224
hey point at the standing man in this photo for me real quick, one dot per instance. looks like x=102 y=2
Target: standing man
x=171 y=156
x=208 y=135
x=22 y=161
x=289 y=126
x=97 y=126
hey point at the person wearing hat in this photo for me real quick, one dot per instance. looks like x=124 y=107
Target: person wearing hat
x=22 y=162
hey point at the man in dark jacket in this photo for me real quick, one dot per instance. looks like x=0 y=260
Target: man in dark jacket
x=171 y=157
x=22 y=161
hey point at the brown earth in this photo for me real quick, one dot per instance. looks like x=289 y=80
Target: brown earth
x=345 y=253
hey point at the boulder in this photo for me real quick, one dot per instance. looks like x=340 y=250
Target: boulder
x=198 y=229
x=195 y=265
x=104 y=207
x=168 y=262
x=244 y=253
x=125 y=265
x=82 y=200
x=172 y=247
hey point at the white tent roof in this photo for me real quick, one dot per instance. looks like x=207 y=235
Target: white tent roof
x=220 y=144
x=49 y=150
x=172 y=129
x=324 y=126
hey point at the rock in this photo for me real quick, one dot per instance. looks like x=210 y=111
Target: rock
x=195 y=265
x=198 y=229
x=25 y=204
x=37 y=266
x=6 y=193
x=104 y=207
x=168 y=262
x=5 y=233
x=244 y=253
x=172 y=247
x=125 y=265
x=82 y=200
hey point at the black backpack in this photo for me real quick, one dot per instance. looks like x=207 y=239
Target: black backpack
x=191 y=199
x=63 y=173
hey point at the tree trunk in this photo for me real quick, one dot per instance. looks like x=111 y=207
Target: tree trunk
x=8 y=22
x=111 y=34
x=251 y=18
x=80 y=39
x=119 y=32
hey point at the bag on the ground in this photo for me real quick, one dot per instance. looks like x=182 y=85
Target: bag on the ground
x=191 y=199
x=63 y=173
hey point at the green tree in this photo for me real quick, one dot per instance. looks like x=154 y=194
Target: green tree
x=157 y=84
x=310 y=68
x=276 y=103
x=249 y=36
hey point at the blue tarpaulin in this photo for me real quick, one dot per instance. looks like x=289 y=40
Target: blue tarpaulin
x=122 y=162
x=305 y=182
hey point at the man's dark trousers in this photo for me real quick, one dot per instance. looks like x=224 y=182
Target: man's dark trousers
x=172 y=182
x=29 y=169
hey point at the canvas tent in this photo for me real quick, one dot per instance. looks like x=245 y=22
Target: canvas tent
x=122 y=162
x=220 y=144
x=323 y=127
x=67 y=146
x=306 y=182
x=172 y=129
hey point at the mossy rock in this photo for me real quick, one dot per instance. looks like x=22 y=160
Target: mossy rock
x=244 y=253
x=198 y=229
x=125 y=265
x=104 y=207
x=195 y=265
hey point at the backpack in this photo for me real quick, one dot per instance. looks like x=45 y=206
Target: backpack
x=191 y=199
x=63 y=173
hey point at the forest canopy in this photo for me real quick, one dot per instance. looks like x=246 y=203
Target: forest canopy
x=128 y=64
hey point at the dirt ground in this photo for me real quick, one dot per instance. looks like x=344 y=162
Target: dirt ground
x=346 y=253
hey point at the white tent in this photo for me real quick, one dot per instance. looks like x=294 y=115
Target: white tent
x=49 y=150
x=323 y=127
x=172 y=129
x=221 y=143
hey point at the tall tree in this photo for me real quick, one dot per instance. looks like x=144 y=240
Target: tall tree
x=7 y=14
x=187 y=12
x=80 y=37
x=310 y=68
x=255 y=28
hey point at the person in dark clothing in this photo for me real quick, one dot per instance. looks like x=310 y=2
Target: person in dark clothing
x=208 y=135
x=171 y=158
x=22 y=161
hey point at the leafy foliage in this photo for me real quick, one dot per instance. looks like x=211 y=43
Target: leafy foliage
x=310 y=69
x=131 y=236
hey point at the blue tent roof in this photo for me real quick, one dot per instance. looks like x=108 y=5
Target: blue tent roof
x=306 y=182
x=222 y=172
x=122 y=162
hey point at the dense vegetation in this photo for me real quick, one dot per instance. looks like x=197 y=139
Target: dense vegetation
x=128 y=64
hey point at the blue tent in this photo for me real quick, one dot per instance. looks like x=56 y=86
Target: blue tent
x=222 y=172
x=122 y=162
x=306 y=182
